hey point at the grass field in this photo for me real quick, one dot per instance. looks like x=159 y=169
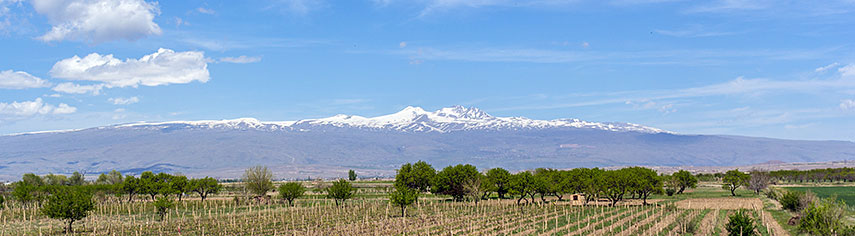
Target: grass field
x=844 y=193
x=370 y=214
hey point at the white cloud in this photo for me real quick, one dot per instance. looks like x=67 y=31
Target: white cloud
x=78 y=89
x=828 y=67
x=98 y=20
x=300 y=7
x=240 y=59
x=206 y=11
x=163 y=67
x=124 y=101
x=847 y=71
x=20 y=80
x=847 y=104
x=402 y=44
x=35 y=107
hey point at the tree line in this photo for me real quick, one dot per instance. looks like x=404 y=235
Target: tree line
x=464 y=181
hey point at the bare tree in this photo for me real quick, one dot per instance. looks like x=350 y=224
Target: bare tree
x=759 y=180
x=258 y=180
x=474 y=188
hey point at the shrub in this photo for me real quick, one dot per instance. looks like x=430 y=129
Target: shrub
x=824 y=218
x=162 y=204
x=740 y=224
x=772 y=194
x=670 y=191
x=792 y=200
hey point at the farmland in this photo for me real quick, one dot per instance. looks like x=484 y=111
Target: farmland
x=370 y=213
x=844 y=193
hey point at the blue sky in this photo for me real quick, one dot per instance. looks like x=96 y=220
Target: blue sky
x=781 y=69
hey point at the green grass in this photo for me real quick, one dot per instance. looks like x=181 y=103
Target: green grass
x=847 y=194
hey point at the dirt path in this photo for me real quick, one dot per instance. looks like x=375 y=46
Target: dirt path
x=773 y=225
x=708 y=223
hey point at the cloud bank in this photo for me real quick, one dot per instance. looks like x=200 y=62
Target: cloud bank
x=98 y=20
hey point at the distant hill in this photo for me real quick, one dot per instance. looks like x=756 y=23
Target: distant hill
x=376 y=146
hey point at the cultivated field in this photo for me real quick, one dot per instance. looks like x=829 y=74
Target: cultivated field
x=700 y=211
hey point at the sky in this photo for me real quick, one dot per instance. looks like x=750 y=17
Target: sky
x=779 y=69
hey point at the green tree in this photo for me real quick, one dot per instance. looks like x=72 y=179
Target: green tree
x=522 y=185
x=341 y=190
x=24 y=192
x=179 y=185
x=646 y=182
x=685 y=180
x=290 y=191
x=32 y=179
x=70 y=204
x=112 y=178
x=131 y=186
x=498 y=179
x=351 y=175
x=592 y=183
x=403 y=197
x=205 y=186
x=55 y=180
x=258 y=180
x=162 y=205
x=418 y=176
x=451 y=179
x=733 y=179
x=740 y=224
x=615 y=184
x=543 y=184
x=76 y=179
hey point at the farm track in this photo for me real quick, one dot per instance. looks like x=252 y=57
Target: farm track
x=708 y=223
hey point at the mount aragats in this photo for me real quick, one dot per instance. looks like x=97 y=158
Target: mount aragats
x=376 y=146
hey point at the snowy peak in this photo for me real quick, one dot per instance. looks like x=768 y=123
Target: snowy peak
x=460 y=112
x=409 y=119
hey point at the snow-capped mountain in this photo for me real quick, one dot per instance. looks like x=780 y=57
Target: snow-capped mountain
x=376 y=146
x=410 y=119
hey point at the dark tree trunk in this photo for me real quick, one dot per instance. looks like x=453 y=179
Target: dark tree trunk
x=69 y=229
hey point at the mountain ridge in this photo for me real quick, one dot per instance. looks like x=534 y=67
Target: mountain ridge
x=409 y=119
x=375 y=146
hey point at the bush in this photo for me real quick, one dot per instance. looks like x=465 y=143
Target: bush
x=740 y=224
x=670 y=191
x=824 y=218
x=772 y=194
x=792 y=200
